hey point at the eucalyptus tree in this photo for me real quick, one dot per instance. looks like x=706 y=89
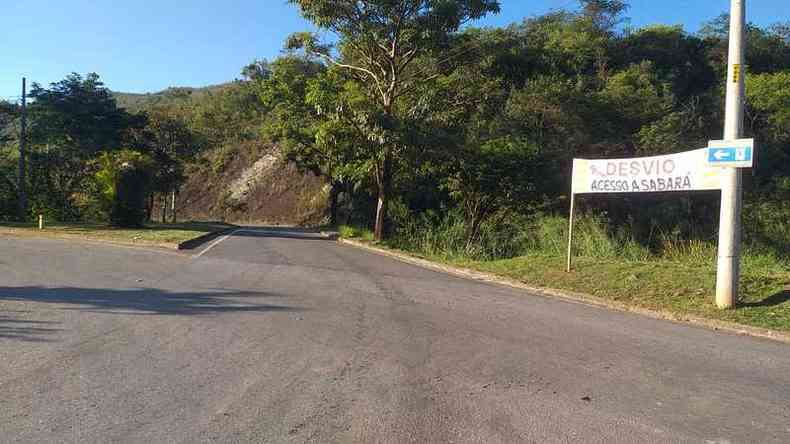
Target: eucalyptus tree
x=378 y=44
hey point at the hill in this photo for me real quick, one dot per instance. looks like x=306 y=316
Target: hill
x=135 y=102
x=238 y=175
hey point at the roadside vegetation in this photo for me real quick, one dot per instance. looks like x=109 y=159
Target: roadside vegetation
x=449 y=141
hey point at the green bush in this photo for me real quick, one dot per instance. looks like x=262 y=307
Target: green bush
x=131 y=190
x=353 y=232
x=122 y=182
x=766 y=226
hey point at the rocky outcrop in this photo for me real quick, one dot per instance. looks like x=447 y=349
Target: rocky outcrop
x=252 y=184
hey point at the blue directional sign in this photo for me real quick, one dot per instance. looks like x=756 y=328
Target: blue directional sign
x=731 y=153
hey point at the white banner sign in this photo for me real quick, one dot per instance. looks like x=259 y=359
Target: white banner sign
x=674 y=172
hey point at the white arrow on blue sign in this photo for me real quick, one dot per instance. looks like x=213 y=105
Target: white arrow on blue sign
x=731 y=153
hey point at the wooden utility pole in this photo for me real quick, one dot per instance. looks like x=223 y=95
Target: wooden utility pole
x=22 y=153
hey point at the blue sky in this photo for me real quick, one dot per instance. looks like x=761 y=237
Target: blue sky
x=148 y=45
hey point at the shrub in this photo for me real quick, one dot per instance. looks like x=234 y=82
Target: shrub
x=352 y=232
x=131 y=190
x=123 y=180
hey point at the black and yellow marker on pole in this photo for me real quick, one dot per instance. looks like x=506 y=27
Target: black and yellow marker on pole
x=736 y=73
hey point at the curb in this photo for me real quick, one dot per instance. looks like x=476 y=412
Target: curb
x=191 y=244
x=581 y=298
x=166 y=247
x=331 y=235
x=188 y=244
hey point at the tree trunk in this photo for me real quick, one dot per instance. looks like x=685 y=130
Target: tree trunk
x=173 y=206
x=384 y=182
x=149 y=208
x=475 y=219
x=349 y=188
x=471 y=233
x=334 y=192
x=164 y=208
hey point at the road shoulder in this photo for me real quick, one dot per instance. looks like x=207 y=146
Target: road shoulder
x=577 y=297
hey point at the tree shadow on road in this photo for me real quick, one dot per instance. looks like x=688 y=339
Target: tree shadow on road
x=140 y=301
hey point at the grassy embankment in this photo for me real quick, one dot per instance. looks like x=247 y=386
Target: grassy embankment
x=678 y=280
x=160 y=235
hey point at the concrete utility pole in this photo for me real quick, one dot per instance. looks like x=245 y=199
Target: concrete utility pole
x=728 y=267
x=22 y=153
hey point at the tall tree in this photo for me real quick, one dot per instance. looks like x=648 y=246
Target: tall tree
x=9 y=114
x=379 y=41
x=72 y=122
x=257 y=70
x=604 y=14
x=767 y=49
x=170 y=144
x=301 y=99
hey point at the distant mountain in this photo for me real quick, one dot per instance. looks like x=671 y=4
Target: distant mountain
x=171 y=96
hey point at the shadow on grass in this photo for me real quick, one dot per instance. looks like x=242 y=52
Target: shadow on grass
x=771 y=301
x=142 y=301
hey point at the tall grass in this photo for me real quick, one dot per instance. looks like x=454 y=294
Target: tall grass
x=592 y=238
x=510 y=235
x=766 y=227
x=352 y=232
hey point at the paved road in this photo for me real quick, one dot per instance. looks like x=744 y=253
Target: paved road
x=287 y=338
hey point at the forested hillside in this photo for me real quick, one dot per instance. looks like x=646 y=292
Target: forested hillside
x=439 y=136
x=235 y=174
x=172 y=96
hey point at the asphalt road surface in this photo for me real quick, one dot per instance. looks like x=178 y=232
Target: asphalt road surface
x=287 y=338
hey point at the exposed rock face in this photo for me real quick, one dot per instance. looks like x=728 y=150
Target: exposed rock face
x=251 y=177
x=252 y=185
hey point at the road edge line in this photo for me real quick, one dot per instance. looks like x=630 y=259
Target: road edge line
x=571 y=296
x=197 y=241
x=215 y=243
